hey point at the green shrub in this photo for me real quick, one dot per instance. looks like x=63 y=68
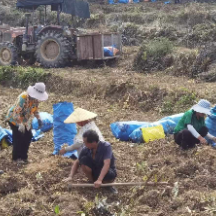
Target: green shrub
x=154 y=55
x=21 y=77
x=158 y=48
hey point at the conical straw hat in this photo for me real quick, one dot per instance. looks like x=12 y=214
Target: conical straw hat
x=80 y=115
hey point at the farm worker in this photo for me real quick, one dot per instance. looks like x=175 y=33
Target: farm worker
x=20 y=117
x=96 y=159
x=85 y=120
x=191 y=128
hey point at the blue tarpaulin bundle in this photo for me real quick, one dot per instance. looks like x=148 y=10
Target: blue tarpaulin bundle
x=210 y=124
x=108 y=52
x=168 y=126
x=7 y=134
x=37 y=134
x=122 y=130
x=47 y=122
x=3 y=133
x=111 y=2
x=63 y=133
x=123 y=1
x=174 y=118
x=126 y=131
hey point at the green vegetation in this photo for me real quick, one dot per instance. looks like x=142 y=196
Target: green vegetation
x=157 y=48
x=152 y=56
x=20 y=76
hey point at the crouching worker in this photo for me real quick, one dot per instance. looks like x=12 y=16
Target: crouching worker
x=96 y=160
x=20 y=117
x=85 y=120
x=191 y=129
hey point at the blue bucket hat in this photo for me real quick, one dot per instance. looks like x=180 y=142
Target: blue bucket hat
x=203 y=106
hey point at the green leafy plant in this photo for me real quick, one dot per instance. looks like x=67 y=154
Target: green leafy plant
x=57 y=210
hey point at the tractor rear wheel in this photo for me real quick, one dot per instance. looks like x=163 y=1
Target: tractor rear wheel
x=53 y=50
x=8 y=54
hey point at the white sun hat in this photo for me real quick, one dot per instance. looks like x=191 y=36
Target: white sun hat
x=203 y=106
x=80 y=115
x=38 y=91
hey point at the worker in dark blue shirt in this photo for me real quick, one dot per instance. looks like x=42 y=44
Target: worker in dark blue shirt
x=96 y=159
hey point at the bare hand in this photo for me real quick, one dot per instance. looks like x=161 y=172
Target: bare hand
x=203 y=141
x=62 y=151
x=214 y=139
x=67 y=179
x=98 y=183
x=21 y=128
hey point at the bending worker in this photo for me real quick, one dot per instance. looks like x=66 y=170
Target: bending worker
x=191 y=129
x=85 y=120
x=97 y=161
x=20 y=117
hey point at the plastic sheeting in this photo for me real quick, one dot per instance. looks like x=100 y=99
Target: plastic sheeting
x=123 y=1
x=122 y=130
x=210 y=124
x=174 y=118
x=37 y=134
x=110 y=51
x=3 y=133
x=47 y=122
x=153 y=133
x=7 y=134
x=63 y=133
x=168 y=126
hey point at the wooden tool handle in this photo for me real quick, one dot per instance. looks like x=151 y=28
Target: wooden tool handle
x=123 y=184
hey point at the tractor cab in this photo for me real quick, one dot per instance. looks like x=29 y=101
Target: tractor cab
x=76 y=8
x=52 y=46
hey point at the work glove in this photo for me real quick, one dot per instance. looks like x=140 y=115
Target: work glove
x=21 y=128
x=40 y=123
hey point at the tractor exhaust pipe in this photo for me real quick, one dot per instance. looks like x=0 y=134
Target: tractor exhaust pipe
x=27 y=23
x=25 y=36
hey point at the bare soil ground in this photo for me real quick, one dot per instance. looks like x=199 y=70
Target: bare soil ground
x=36 y=188
x=117 y=93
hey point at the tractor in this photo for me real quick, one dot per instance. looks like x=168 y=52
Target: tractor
x=53 y=45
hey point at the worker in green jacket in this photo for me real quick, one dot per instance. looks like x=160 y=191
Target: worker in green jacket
x=191 y=129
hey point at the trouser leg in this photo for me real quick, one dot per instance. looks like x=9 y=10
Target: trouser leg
x=185 y=139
